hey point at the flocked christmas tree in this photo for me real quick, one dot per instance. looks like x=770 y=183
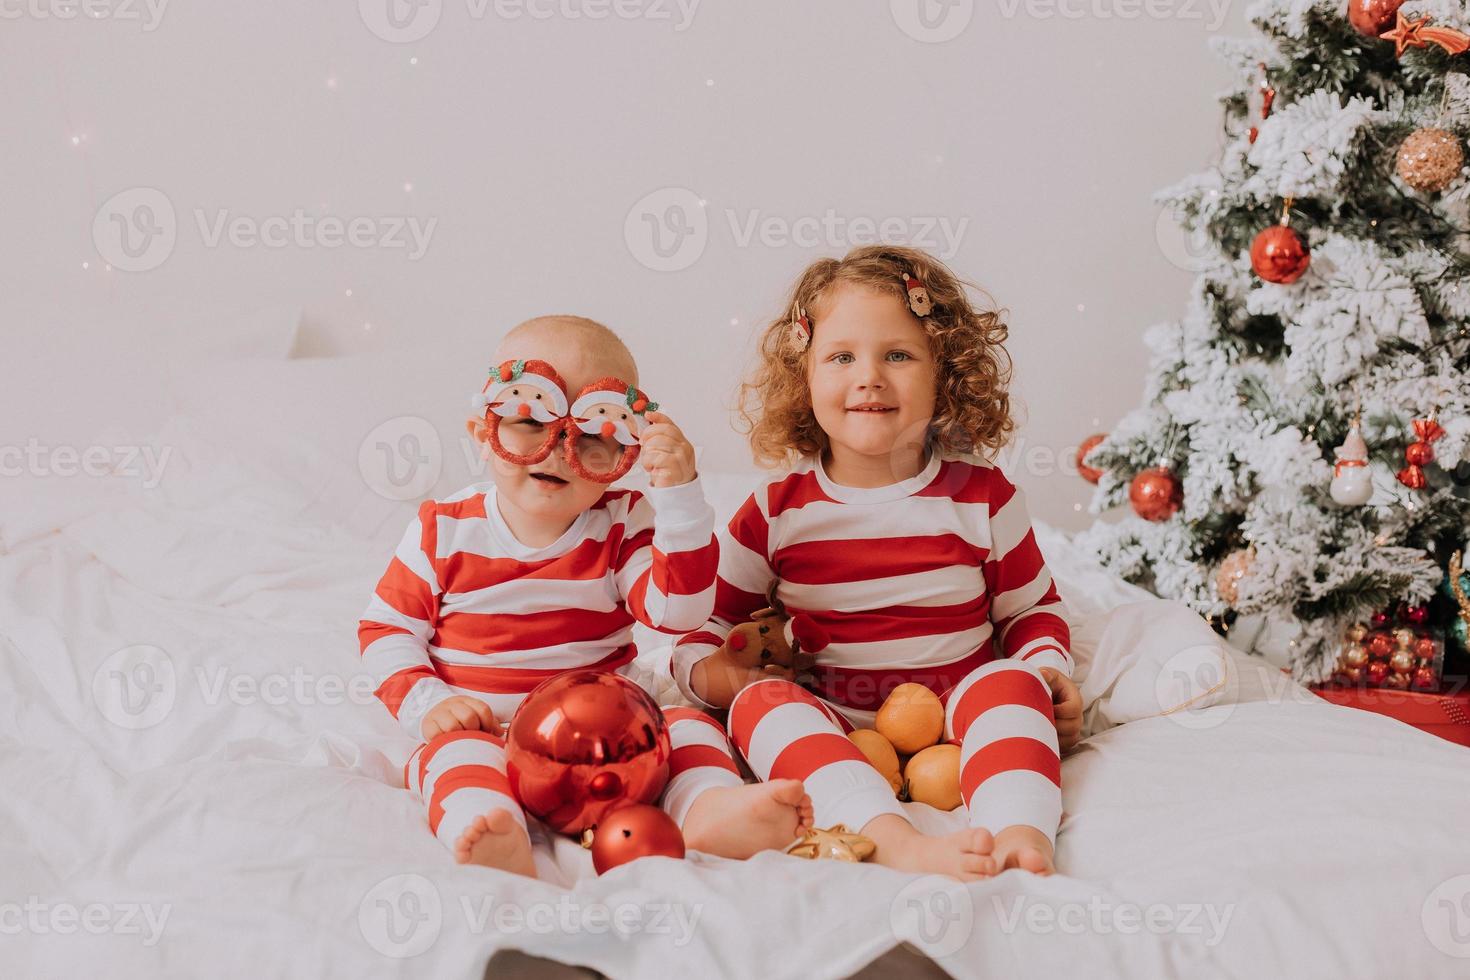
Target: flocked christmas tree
x=1304 y=448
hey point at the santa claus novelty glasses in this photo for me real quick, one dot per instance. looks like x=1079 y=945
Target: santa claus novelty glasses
x=526 y=413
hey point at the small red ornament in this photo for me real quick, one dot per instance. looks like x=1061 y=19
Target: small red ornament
x=583 y=744
x=1424 y=648
x=1418 y=615
x=1409 y=32
x=1379 y=619
x=1380 y=645
x=1377 y=672
x=1088 y=473
x=1372 y=17
x=1261 y=106
x=1279 y=255
x=632 y=832
x=1420 y=453
x=1155 y=494
x=1424 y=679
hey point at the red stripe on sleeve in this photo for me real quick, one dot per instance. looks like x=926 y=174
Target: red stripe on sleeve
x=393 y=690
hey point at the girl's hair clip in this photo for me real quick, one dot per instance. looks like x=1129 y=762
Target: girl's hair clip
x=800 y=331
x=919 y=300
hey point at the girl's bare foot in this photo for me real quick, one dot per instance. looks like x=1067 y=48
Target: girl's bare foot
x=965 y=854
x=739 y=821
x=1024 y=847
x=496 y=840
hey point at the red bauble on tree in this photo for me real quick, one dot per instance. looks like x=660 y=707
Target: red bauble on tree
x=1279 y=255
x=1155 y=494
x=1088 y=473
x=632 y=832
x=584 y=744
x=1372 y=17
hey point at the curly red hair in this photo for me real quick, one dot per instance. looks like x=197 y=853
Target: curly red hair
x=972 y=408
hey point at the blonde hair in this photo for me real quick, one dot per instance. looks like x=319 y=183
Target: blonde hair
x=972 y=409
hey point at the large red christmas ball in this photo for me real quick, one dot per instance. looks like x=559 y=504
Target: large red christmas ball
x=1279 y=255
x=1088 y=473
x=1372 y=17
x=633 y=832
x=583 y=744
x=1155 y=494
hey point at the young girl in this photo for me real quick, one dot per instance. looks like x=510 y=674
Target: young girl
x=913 y=558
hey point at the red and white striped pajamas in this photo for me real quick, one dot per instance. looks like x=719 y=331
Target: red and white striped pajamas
x=936 y=580
x=466 y=609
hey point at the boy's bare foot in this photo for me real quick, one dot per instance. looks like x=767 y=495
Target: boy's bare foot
x=965 y=854
x=1024 y=847
x=496 y=840
x=739 y=821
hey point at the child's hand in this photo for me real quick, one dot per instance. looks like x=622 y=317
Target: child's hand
x=459 y=713
x=667 y=455
x=1066 y=703
x=720 y=676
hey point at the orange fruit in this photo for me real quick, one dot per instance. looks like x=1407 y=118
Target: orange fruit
x=912 y=718
x=934 y=776
x=880 y=753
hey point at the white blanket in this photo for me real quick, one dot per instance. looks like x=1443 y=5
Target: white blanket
x=199 y=782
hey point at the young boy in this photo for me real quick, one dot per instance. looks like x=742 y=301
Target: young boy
x=544 y=570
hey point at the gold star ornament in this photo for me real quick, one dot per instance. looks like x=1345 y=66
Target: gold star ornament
x=834 y=843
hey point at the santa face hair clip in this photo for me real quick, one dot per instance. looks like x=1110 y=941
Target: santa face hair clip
x=527 y=412
x=799 y=333
x=919 y=300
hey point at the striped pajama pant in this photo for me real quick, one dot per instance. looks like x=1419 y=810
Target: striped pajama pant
x=461 y=775
x=1000 y=714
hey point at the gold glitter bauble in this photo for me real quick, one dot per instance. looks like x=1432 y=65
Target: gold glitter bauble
x=1236 y=566
x=1431 y=159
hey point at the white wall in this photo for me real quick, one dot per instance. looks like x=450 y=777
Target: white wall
x=529 y=141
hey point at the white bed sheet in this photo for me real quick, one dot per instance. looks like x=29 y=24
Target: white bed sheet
x=258 y=827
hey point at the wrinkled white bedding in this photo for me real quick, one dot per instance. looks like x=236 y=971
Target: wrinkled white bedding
x=198 y=782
